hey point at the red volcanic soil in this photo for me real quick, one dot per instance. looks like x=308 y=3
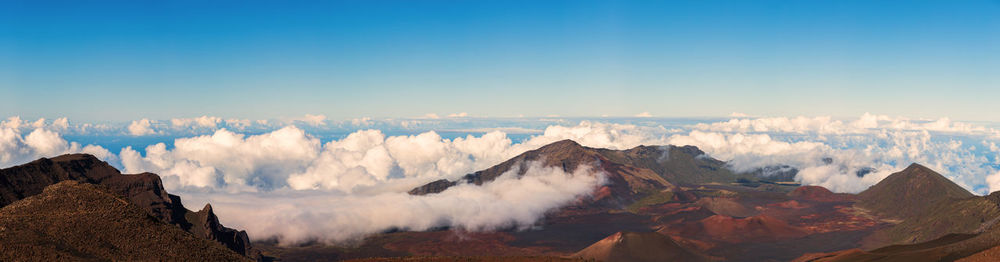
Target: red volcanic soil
x=790 y=204
x=470 y=259
x=459 y=243
x=992 y=254
x=726 y=207
x=819 y=194
x=735 y=230
x=633 y=246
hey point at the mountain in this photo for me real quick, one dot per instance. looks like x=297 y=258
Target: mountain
x=911 y=192
x=638 y=247
x=950 y=227
x=144 y=190
x=694 y=207
x=632 y=173
x=974 y=247
x=818 y=193
x=71 y=220
x=925 y=206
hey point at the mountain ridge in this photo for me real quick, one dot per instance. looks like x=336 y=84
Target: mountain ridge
x=73 y=220
x=144 y=190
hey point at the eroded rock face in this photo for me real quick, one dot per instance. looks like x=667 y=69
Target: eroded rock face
x=74 y=221
x=144 y=190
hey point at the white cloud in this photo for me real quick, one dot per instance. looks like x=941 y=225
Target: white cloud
x=431 y=116
x=40 y=123
x=458 y=115
x=993 y=181
x=16 y=148
x=509 y=201
x=197 y=122
x=227 y=158
x=315 y=120
x=239 y=124
x=13 y=122
x=308 y=180
x=506 y=130
x=362 y=122
x=140 y=128
x=644 y=114
x=60 y=124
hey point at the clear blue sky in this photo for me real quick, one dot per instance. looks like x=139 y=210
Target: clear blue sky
x=123 y=60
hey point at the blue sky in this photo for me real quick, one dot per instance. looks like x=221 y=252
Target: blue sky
x=119 y=61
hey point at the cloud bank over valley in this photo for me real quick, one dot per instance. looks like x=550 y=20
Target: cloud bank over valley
x=349 y=178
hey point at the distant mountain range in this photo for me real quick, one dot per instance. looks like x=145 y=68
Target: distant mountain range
x=661 y=203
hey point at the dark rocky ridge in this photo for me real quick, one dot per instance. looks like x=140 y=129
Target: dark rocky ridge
x=144 y=190
x=74 y=221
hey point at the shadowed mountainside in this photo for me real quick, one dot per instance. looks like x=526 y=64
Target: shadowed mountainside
x=78 y=221
x=927 y=205
x=911 y=192
x=144 y=190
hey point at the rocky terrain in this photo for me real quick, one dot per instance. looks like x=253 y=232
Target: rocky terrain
x=78 y=221
x=142 y=190
x=661 y=203
x=679 y=200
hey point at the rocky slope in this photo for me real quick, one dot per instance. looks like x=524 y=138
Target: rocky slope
x=926 y=205
x=632 y=174
x=638 y=247
x=144 y=190
x=71 y=220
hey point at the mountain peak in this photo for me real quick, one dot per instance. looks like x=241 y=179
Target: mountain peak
x=638 y=246
x=561 y=145
x=915 y=168
x=911 y=191
x=75 y=157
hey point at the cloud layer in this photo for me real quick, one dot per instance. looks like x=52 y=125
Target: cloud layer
x=301 y=179
x=43 y=141
x=510 y=201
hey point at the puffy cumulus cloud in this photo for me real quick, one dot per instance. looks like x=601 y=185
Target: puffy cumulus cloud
x=239 y=124
x=60 y=123
x=993 y=181
x=818 y=163
x=40 y=123
x=644 y=114
x=313 y=120
x=141 y=127
x=13 y=122
x=603 y=135
x=289 y=157
x=509 y=201
x=458 y=115
x=227 y=158
x=362 y=122
x=197 y=122
x=884 y=143
x=16 y=148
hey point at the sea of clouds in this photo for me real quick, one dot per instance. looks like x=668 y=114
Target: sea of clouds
x=279 y=178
